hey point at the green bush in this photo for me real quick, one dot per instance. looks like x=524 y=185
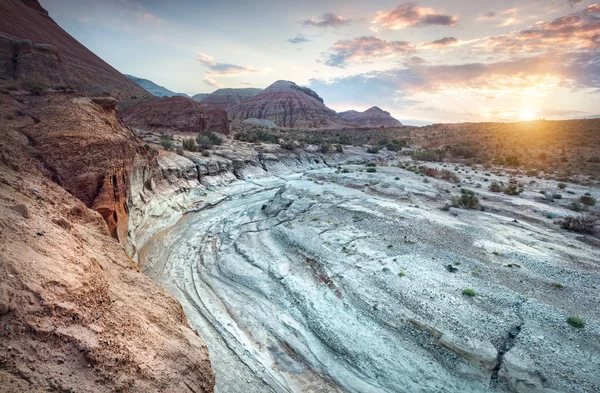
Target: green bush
x=373 y=150
x=576 y=322
x=562 y=186
x=512 y=189
x=189 y=144
x=324 y=148
x=576 y=206
x=432 y=155
x=469 y=292
x=587 y=200
x=371 y=170
x=371 y=164
x=466 y=200
x=495 y=187
x=167 y=144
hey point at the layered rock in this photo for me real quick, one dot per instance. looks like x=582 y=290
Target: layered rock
x=175 y=114
x=34 y=49
x=157 y=90
x=76 y=312
x=288 y=105
x=198 y=97
x=372 y=117
x=226 y=98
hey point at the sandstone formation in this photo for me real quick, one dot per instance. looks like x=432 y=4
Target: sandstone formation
x=76 y=312
x=226 y=98
x=151 y=87
x=372 y=117
x=175 y=114
x=36 y=51
x=288 y=105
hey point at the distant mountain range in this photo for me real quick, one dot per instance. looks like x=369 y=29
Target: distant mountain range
x=151 y=87
x=284 y=102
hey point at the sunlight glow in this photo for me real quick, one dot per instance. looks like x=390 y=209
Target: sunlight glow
x=527 y=114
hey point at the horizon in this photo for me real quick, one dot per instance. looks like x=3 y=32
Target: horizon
x=425 y=63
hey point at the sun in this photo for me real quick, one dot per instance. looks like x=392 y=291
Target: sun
x=527 y=115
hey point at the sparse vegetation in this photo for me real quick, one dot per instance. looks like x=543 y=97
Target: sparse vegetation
x=469 y=292
x=587 y=199
x=371 y=170
x=580 y=224
x=466 y=200
x=562 y=186
x=373 y=149
x=495 y=187
x=576 y=322
x=557 y=284
x=189 y=144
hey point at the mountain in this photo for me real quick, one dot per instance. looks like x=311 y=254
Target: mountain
x=372 y=117
x=37 y=51
x=153 y=88
x=179 y=114
x=198 y=97
x=226 y=98
x=288 y=105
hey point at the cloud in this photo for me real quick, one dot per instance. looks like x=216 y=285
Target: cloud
x=531 y=76
x=365 y=49
x=509 y=17
x=442 y=42
x=299 y=39
x=218 y=69
x=573 y=3
x=410 y=14
x=149 y=18
x=577 y=31
x=326 y=20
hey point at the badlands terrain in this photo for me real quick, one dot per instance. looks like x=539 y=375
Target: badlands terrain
x=254 y=240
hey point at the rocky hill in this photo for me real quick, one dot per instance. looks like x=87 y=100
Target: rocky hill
x=36 y=51
x=175 y=114
x=288 y=105
x=198 y=97
x=76 y=312
x=157 y=90
x=372 y=117
x=226 y=98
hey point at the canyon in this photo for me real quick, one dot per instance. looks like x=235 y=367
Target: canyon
x=306 y=251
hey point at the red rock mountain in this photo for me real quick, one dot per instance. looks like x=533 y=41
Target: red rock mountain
x=372 y=117
x=288 y=105
x=34 y=48
x=180 y=114
x=226 y=98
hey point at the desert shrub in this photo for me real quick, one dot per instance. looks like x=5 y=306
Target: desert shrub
x=189 y=144
x=576 y=322
x=576 y=206
x=587 y=200
x=345 y=170
x=373 y=149
x=512 y=189
x=556 y=196
x=339 y=148
x=12 y=85
x=580 y=224
x=469 y=292
x=432 y=155
x=371 y=164
x=495 y=187
x=463 y=151
x=371 y=170
x=466 y=200
x=256 y=135
x=206 y=140
x=512 y=160
x=167 y=144
x=449 y=176
x=562 y=186
x=4 y=91
x=443 y=174
x=206 y=153
x=134 y=97
x=288 y=145
x=324 y=148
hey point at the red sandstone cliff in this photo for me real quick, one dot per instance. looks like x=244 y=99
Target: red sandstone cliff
x=34 y=48
x=175 y=114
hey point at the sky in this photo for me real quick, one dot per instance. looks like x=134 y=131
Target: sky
x=428 y=61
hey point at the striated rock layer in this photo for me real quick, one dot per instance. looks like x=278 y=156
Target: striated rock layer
x=76 y=312
x=288 y=105
x=305 y=278
x=170 y=114
x=372 y=117
x=33 y=48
